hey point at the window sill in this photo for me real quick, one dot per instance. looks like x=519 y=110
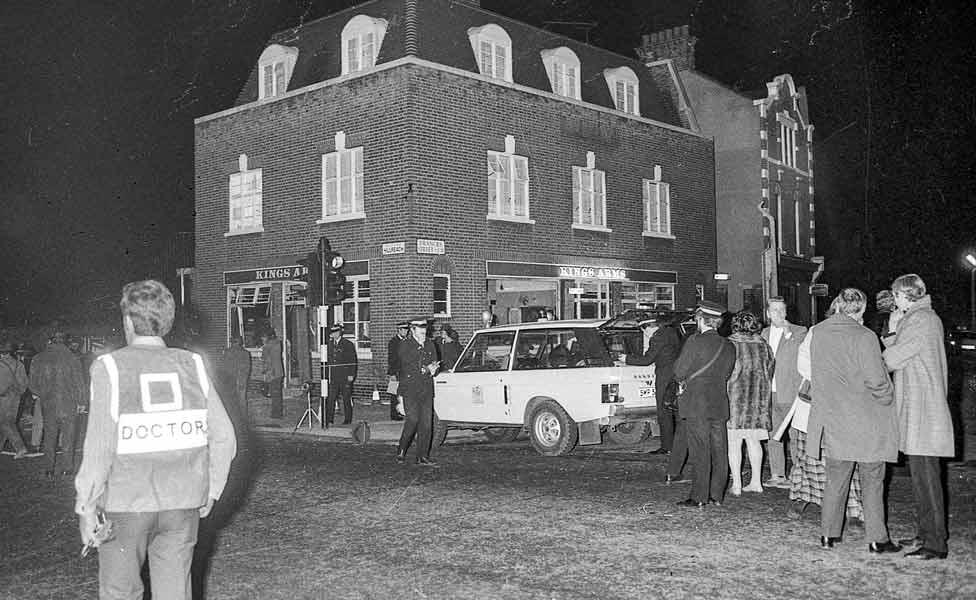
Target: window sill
x=592 y=228
x=244 y=231
x=336 y=218
x=511 y=219
x=654 y=234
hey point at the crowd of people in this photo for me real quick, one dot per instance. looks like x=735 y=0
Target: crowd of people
x=848 y=400
x=50 y=387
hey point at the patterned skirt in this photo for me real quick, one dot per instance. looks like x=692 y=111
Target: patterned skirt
x=809 y=475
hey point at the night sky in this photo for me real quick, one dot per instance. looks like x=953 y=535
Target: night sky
x=98 y=102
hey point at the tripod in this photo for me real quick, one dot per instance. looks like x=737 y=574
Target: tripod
x=310 y=413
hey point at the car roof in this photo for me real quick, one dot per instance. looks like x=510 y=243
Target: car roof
x=553 y=324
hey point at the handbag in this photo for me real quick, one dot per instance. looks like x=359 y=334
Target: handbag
x=676 y=388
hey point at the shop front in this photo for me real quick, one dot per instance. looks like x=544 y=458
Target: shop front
x=274 y=297
x=520 y=292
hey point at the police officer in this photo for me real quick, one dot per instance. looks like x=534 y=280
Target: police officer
x=343 y=364
x=157 y=452
x=418 y=365
x=704 y=365
x=393 y=367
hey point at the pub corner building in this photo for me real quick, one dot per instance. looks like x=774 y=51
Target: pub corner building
x=464 y=164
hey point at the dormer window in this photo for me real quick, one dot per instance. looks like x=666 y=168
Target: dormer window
x=493 y=49
x=563 y=68
x=361 y=40
x=274 y=70
x=623 y=85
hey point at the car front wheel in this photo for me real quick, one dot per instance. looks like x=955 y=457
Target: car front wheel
x=552 y=431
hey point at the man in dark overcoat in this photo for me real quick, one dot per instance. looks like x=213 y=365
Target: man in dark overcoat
x=235 y=366
x=704 y=365
x=418 y=365
x=661 y=347
x=56 y=379
x=343 y=367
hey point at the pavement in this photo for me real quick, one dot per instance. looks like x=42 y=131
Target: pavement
x=382 y=429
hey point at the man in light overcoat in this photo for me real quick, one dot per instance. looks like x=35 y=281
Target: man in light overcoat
x=784 y=339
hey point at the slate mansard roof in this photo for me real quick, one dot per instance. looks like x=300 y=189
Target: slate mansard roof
x=437 y=31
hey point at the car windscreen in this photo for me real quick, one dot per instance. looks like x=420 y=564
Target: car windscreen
x=558 y=348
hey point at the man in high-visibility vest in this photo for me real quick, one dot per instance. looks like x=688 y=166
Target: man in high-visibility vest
x=157 y=453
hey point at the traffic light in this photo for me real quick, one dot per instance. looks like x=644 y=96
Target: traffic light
x=313 y=291
x=335 y=280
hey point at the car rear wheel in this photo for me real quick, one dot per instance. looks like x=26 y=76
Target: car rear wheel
x=629 y=433
x=501 y=434
x=552 y=431
x=438 y=433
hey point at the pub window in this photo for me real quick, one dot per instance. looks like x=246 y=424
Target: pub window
x=355 y=315
x=250 y=312
x=646 y=295
x=508 y=183
x=342 y=182
x=589 y=196
x=245 y=200
x=442 y=295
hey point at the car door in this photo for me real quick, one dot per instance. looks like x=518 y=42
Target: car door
x=473 y=391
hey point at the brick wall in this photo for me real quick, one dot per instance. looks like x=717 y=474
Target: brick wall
x=425 y=133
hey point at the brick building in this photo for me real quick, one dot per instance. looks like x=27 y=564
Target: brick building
x=461 y=162
x=765 y=203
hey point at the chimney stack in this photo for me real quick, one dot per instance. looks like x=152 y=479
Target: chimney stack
x=675 y=43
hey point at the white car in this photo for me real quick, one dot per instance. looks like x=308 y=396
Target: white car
x=558 y=379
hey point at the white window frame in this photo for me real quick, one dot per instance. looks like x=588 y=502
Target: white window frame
x=355 y=207
x=497 y=42
x=247 y=202
x=796 y=219
x=280 y=62
x=592 y=176
x=624 y=89
x=563 y=67
x=362 y=32
x=435 y=301
x=507 y=189
x=659 y=193
x=787 y=140
x=354 y=285
x=779 y=222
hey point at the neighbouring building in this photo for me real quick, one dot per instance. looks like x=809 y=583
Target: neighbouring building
x=462 y=163
x=764 y=187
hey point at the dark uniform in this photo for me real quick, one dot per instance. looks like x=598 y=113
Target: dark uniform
x=417 y=389
x=393 y=368
x=704 y=410
x=662 y=350
x=343 y=366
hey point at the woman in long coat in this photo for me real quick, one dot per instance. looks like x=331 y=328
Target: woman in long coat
x=750 y=397
x=852 y=418
x=916 y=353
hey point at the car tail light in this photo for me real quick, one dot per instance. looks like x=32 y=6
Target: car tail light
x=610 y=393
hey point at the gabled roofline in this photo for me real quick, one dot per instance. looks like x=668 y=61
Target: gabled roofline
x=778 y=82
x=412 y=60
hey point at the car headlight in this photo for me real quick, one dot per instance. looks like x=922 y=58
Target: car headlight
x=610 y=393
